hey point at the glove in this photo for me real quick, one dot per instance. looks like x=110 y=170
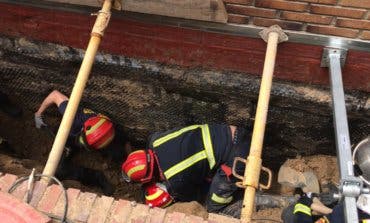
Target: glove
x=306 y=199
x=328 y=199
x=39 y=122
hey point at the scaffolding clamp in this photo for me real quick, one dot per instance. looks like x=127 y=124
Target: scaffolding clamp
x=245 y=182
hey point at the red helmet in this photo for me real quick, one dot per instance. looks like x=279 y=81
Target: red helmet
x=98 y=132
x=139 y=166
x=156 y=195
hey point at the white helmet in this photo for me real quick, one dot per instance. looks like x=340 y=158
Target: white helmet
x=361 y=157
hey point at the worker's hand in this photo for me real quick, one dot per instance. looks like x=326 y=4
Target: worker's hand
x=39 y=122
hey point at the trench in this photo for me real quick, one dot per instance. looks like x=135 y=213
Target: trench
x=143 y=97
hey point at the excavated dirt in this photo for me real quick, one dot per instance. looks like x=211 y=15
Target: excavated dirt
x=144 y=97
x=31 y=147
x=325 y=167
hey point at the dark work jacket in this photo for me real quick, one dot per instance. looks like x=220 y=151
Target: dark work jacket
x=337 y=216
x=177 y=146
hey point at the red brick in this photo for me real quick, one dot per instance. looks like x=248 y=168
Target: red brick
x=338 y=11
x=120 y=211
x=240 y=19
x=355 y=3
x=156 y=215
x=82 y=206
x=193 y=219
x=14 y=211
x=50 y=198
x=72 y=197
x=139 y=213
x=6 y=182
x=306 y=17
x=38 y=192
x=352 y=23
x=285 y=5
x=328 y=2
x=365 y=35
x=221 y=219
x=251 y=11
x=20 y=190
x=335 y=31
x=240 y=2
x=175 y=217
x=283 y=24
x=100 y=209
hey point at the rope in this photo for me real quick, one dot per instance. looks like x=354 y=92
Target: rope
x=63 y=219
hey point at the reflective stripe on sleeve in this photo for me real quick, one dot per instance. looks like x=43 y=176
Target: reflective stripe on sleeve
x=303 y=209
x=221 y=200
x=207 y=142
x=185 y=164
x=170 y=136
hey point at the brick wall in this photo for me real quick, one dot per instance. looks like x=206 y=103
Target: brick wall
x=85 y=207
x=346 y=18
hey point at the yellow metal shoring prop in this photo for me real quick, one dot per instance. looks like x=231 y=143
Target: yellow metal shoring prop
x=273 y=36
x=97 y=33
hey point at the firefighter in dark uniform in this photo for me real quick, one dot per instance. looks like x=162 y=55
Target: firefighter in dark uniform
x=302 y=209
x=303 y=214
x=90 y=130
x=181 y=160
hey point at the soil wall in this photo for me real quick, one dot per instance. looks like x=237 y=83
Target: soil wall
x=145 y=96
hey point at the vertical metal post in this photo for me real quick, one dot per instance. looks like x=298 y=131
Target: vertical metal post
x=97 y=33
x=350 y=185
x=273 y=36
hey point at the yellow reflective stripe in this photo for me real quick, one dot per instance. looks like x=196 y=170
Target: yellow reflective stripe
x=107 y=141
x=81 y=140
x=94 y=127
x=154 y=196
x=170 y=136
x=136 y=168
x=185 y=164
x=302 y=208
x=207 y=142
x=366 y=221
x=221 y=200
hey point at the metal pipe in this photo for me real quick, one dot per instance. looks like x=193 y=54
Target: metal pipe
x=55 y=154
x=350 y=185
x=232 y=29
x=254 y=164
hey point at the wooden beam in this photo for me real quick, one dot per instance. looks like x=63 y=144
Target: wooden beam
x=205 y=10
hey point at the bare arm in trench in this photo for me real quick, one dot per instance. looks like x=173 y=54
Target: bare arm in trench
x=55 y=97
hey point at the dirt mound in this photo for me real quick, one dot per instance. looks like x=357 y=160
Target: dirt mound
x=324 y=167
x=190 y=208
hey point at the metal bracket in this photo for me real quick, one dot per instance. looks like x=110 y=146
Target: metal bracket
x=325 y=60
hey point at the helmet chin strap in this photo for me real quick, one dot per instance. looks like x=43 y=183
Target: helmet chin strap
x=82 y=141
